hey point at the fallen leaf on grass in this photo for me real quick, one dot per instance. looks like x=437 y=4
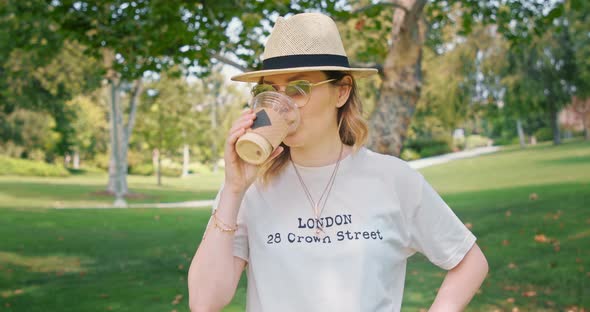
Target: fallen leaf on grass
x=515 y=309
x=469 y=225
x=18 y=291
x=530 y=293
x=510 y=300
x=508 y=213
x=180 y=266
x=177 y=299
x=505 y=242
x=533 y=196
x=541 y=238
x=512 y=265
x=104 y=296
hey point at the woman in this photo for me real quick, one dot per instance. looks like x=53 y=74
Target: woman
x=325 y=224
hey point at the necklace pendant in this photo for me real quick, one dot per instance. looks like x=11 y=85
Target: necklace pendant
x=319 y=230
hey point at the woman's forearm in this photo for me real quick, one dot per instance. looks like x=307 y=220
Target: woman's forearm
x=461 y=282
x=211 y=276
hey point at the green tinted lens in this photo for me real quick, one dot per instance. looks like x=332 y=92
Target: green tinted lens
x=263 y=87
x=298 y=88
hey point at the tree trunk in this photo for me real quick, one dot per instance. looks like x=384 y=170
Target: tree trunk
x=520 y=133
x=185 y=160
x=118 y=156
x=402 y=79
x=128 y=130
x=158 y=167
x=76 y=159
x=117 y=143
x=554 y=115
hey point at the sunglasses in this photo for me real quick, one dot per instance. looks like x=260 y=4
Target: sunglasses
x=298 y=90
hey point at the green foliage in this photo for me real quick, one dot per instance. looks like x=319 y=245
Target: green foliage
x=23 y=167
x=27 y=134
x=142 y=169
x=473 y=141
x=544 y=134
x=91 y=127
x=409 y=154
x=427 y=147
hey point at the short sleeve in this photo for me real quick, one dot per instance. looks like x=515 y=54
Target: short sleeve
x=241 y=248
x=436 y=231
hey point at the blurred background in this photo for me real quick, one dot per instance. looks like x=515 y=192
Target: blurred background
x=113 y=117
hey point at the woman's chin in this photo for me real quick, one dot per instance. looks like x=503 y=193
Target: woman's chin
x=292 y=140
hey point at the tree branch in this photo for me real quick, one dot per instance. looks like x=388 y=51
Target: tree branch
x=227 y=61
x=389 y=4
x=133 y=103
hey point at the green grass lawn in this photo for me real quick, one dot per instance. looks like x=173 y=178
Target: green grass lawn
x=87 y=190
x=137 y=259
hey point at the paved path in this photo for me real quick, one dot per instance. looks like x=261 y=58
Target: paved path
x=416 y=164
x=441 y=159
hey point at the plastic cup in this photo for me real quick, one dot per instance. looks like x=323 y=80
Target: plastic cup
x=276 y=117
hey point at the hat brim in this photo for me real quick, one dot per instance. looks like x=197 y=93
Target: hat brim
x=254 y=76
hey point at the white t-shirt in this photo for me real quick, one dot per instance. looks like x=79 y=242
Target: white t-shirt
x=379 y=212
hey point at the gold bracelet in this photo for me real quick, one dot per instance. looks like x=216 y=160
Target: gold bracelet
x=225 y=228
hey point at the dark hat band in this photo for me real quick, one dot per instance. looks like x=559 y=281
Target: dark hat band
x=305 y=60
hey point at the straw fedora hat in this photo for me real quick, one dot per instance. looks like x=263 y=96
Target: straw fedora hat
x=303 y=42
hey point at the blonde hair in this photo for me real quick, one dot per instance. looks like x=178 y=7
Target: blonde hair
x=352 y=128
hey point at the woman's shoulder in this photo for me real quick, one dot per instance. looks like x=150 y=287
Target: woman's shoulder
x=388 y=164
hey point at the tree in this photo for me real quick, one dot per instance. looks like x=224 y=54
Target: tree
x=167 y=107
x=90 y=126
x=178 y=114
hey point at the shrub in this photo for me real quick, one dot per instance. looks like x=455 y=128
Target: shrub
x=459 y=143
x=474 y=141
x=149 y=170
x=426 y=147
x=23 y=167
x=544 y=134
x=199 y=168
x=409 y=154
x=142 y=169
